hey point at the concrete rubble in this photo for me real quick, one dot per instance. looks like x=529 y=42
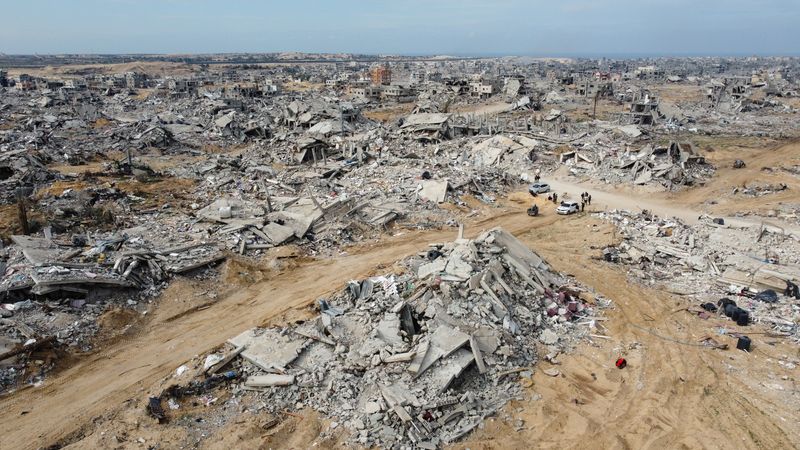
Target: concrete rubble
x=710 y=261
x=112 y=184
x=420 y=358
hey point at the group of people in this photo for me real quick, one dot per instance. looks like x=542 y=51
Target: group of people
x=586 y=199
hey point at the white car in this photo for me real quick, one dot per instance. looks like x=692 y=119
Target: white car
x=568 y=208
x=539 y=188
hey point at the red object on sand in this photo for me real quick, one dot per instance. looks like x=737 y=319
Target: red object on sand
x=621 y=363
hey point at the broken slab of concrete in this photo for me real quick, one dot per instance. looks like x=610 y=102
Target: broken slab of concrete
x=433 y=190
x=224 y=209
x=431 y=268
x=388 y=330
x=277 y=234
x=443 y=342
x=257 y=381
x=268 y=349
x=451 y=368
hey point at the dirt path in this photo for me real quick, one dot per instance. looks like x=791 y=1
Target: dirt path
x=605 y=200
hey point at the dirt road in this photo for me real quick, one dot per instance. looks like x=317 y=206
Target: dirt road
x=605 y=200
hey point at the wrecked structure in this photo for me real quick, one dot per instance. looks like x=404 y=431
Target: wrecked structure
x=130 y=180
x=421 y=357
x=754 y=266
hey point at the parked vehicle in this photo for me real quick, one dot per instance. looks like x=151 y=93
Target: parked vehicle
x=566 y=208
x=539 y=188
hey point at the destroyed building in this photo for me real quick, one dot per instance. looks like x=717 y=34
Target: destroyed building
x=419 y=357
x=127 y=182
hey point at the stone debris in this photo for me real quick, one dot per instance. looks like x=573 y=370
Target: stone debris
x=111 y=184
x=708 y=261
x=48 y=266
x=418 y=358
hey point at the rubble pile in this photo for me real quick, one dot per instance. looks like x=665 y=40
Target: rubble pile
x=130 y=178
x=760 y=189
x=423 y=357
x=76 y=268
x=54 y=288
x=710 y=261
x=672 y=166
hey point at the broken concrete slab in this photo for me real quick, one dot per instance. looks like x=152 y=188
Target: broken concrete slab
x=268 y=349
x=388 y=330
x=451 y=368
x=433 y=190
x=277 y=233
x=431 y=268
x=221 y=210
x=256 y=381
x=444 y=341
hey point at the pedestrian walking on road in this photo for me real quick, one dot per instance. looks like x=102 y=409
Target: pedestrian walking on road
x=589 y=198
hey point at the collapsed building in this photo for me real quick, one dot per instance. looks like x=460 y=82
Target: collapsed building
x=130 y=181
x=712 y=260
x=423 y=357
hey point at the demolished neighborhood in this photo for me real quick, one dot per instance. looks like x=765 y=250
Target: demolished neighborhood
x=267 y=250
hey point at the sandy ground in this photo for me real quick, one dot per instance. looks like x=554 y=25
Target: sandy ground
x=77 y=70
x=674 y=393
x=483 y=108
x=389 y=113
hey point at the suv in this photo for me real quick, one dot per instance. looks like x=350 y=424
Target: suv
x=539 y=188
x=568 y=208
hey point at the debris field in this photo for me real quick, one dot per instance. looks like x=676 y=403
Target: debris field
x=117 y=184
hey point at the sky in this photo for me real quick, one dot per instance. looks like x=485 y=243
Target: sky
x=404 y=27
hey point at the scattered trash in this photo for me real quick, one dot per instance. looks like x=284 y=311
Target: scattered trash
x=767 y=296
x=211 y=361
x=710 y=307
x=743 y=343
x=154 y=409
